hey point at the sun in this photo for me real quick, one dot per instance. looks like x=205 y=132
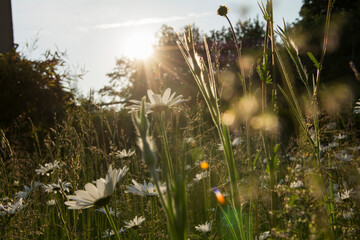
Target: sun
x=138 y=45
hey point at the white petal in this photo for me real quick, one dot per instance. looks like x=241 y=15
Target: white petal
x=166 y=95
x=92 y=190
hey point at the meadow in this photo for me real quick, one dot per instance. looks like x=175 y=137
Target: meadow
x=196 y=171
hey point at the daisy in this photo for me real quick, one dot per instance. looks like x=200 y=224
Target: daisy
x=235 y=142
x=11 y=209
x=333 y=145
x=124 y=153
x=100 y=195
x=343 y=195
x=340 y=137
x=27 y=190
x=111 y=211
x=191 y=141
x=146 y=189
x=60 y=186
x=108 y=233
x=51 y=202
x=135 y=223
x=344 y=156
x=160 y=103
x=264 y=235
x=354 y=148
x=136 y=106
x=348 y=214
x=297 y=184
x=357 y=107
x=157 y=102
x=48 y=168
x=200 y=176
x=204 y=228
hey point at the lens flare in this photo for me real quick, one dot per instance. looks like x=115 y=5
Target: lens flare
x=219 y=196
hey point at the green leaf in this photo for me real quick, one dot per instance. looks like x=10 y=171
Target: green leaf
x=313 y=59
x=293 y=199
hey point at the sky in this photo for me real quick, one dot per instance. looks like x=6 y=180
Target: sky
x=95 y=33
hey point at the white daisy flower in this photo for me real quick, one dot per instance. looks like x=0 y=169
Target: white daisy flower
x=323 y=148
x=296 y=184
x=136 y=106
x=160 y=102
x=200 y=176
x=146 y=189
x=51 y=202
x=356 y=148
x=340 y=137
x=341 y=196
x=333 y=145
x=124 y=153
x=111 y=211
x=234 y=143
x=348 y=214
x=357 y=107
x=100 y=195
x=264 y=235
x=60 y=186
x=157 y=102
x=204 y=228
x=135 y=223
x=298 y=167
x=11 y=209
x=344 y=156
x=190 y=140
x=48 y=168
x=108 y=233
x=27 y=190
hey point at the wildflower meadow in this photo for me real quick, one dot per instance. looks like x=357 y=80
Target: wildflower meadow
x=213 y=165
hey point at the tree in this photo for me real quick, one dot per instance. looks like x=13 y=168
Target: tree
x=343 y=36
x=32 y=89
x=167 y=68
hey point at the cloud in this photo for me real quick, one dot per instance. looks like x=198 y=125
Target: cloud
x=146 y=21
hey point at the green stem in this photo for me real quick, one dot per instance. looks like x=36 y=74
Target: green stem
x=227 y=219
x=153 y=205
x=331 y=192
x=111 y=221
x=238 y=52
x=167 y=150
x=62 y=219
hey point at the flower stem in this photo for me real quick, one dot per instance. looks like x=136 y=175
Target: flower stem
x=112 y=223
x=62 y=219
x=167 y=150
x=153 y=215
x=238 y=53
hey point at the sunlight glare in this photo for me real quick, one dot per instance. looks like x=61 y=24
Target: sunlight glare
x=138 y=45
